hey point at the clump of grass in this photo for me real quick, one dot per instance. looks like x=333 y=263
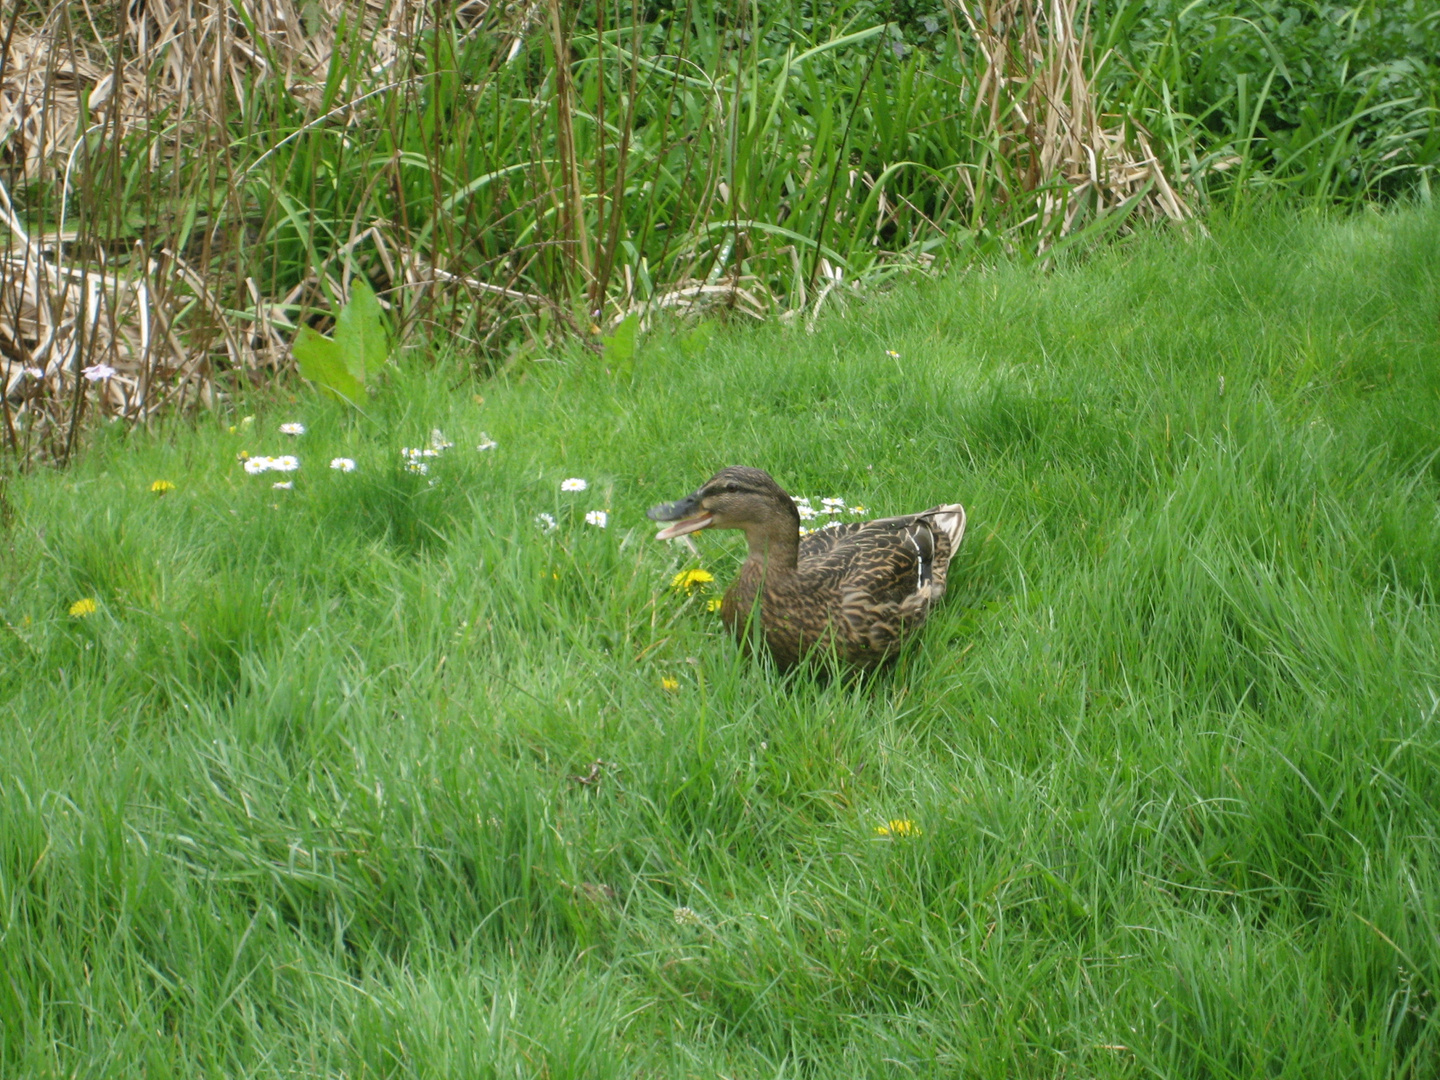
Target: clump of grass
x=305 y=787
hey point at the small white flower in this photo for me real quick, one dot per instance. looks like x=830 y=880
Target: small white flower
x=97 y=372
x=831 y=525
x=892 y=354
x=438 y=441
x=246 y=421
x=417 y=467
x=258 y=465
x=286 y=463
x=486 y=443
x=574 y=483
x=598 y=518
x=292 y=429
x=806 y=512
x=546 y=522
x=832 y=505
x=344 y=464
x=283 y=485
x=34 y=373
x=686 y=916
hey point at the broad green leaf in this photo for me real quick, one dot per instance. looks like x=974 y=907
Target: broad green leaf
x=360 y=333
x=321 y=361
x=620 y=345
x=695 y=342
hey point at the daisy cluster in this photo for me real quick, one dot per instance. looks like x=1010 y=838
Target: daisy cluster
x=415 y=455
x=832 y=508
x=260 y=463
x=598 y=518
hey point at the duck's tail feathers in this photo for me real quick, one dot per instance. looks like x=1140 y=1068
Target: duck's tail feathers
x=950 y=519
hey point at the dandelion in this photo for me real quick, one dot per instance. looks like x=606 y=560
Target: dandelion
x=81 y=608
x=686 y=916
x=486 y=443
x=713 y=604
x=343 y=464
x=892 y=354
x=598 y=518
x=898 y=827
x=669 y=685
x=292 y=429
x=285 y=463
x=546 y=522
x=690 y=580
x=283 y=485
x=162 y=486
x=574 y=483
x=98 y=372
x=257 y=464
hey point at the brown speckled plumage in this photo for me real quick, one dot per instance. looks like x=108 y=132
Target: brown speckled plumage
x=858 y=588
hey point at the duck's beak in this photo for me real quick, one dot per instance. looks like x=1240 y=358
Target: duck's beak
x=683 y=514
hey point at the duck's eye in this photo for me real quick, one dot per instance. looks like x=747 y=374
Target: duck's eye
x=732 y=488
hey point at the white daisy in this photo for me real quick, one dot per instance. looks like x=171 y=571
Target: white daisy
x=598 y=518
x=97 y=372
x=574 y=483
x=417 y=467
x=257 y=465
x=486 y=443
x=833 y=505
x=438 y=441
x=546 y=522
x=292 y=429
x=806 y=512
x=344 y=464
x=285 y=463
x=283 y=485
x=34 y=373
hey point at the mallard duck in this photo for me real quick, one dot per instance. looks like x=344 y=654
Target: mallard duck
x=858 y=589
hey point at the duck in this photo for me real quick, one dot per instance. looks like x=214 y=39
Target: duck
x=856 y=591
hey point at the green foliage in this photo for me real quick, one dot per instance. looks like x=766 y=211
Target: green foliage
x=619 y=346
x=1335 y=101
x=346 y=365
x=380 y=776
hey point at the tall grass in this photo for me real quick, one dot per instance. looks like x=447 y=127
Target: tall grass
x=379 y=777
x=186 y=184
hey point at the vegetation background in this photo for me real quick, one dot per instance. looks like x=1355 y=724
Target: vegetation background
x=427 y=768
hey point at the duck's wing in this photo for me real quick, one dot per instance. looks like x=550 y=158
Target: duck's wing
x=887 y=560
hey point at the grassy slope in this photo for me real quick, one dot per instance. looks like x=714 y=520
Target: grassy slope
x=298 y=796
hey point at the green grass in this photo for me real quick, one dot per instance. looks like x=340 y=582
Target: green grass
x=298 y=798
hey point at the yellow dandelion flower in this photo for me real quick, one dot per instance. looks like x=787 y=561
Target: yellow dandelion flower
x=81 y=608
x=670 y=685
x=898 y=827
x=690 y=580
x=162 y=486
x=713 y=604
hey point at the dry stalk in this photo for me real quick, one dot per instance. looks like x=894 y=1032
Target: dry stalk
x=1042 y=112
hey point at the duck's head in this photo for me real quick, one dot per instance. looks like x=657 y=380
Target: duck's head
x=734 y=498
